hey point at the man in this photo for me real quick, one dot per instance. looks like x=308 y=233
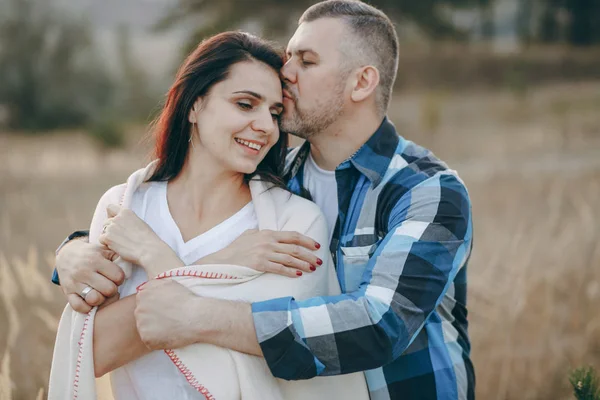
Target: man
x=401 y=231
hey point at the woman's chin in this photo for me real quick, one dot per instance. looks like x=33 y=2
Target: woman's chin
x=246 y=169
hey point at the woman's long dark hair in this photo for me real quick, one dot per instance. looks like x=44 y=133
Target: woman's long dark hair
x=206 y=66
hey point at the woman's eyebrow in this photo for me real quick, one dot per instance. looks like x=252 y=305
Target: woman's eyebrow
x=258 y=96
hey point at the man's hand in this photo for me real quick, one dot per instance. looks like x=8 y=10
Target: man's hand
x=279 y=252
x=170 y=316
x=80 y=264
x=166 y=315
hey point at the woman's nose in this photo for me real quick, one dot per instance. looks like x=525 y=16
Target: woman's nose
x=264 y=123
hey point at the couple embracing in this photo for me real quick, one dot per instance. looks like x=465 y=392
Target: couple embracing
x=232 y=267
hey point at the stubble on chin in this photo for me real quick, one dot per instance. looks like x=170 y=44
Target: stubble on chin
x=294 y=124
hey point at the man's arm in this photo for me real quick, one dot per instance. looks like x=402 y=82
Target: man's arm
x=164 y=324
x=429 y=240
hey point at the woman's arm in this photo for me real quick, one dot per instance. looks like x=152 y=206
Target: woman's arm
x=116 y=338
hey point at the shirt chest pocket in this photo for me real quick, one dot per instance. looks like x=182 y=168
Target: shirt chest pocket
x=355 y=261
x=356 y=255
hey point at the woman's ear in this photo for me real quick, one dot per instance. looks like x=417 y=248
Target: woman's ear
x=192 y=117
x=367 y=79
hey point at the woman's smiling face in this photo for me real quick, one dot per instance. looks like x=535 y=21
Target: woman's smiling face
x=237 y=122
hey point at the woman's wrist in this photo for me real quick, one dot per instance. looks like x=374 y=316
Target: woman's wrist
x=158 y=259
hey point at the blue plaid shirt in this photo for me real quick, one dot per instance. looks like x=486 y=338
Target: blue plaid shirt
x=401 y=246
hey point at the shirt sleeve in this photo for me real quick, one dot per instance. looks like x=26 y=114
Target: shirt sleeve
x=74 y=235
x=428 y=241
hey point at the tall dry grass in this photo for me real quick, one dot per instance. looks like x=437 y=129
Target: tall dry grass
x=532 y=167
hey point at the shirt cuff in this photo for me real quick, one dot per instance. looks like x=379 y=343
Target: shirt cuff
x=74 y=235
x=285 y=352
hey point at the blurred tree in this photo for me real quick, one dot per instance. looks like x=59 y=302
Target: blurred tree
x=575 y=21
x=584 y=28
x=549 y=26
x=136 y=94
x=525 y=21
x=277 y=17
x=50 y=74
x=486 y=16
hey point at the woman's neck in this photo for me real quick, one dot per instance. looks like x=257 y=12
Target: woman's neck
x=204 y=188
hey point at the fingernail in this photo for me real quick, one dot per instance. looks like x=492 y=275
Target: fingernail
x=317 y=245
x=299 y=273
x=313 y=268
x=319 y=261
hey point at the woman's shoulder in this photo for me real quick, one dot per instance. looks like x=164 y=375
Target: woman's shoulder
x=293 y=202
x=296 y=213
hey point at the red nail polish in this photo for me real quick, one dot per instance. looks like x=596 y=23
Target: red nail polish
x=299 y=273
x=319 y=261
x=313 y=268
x=317 y=245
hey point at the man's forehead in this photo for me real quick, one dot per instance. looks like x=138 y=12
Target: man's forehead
x=320 y=35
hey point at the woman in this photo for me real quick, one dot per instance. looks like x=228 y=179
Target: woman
x=219 y=161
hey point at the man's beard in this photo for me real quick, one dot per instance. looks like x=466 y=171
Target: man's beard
x=310 y=121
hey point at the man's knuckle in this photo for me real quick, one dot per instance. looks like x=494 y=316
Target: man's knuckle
x=111 y=291
x=120 y=275
x=93 y=299
x=80 y=308
x=262 y=252
x=77 y=274
x=88 y=262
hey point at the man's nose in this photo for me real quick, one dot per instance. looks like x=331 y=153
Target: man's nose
x=288 y=73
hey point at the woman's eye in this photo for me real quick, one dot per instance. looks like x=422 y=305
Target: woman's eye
x=276 y=116
x=305 y=63
x=244 y=106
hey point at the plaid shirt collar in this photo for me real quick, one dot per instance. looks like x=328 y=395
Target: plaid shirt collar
x=372 y=159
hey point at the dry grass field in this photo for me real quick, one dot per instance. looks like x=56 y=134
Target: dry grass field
x=531 y=163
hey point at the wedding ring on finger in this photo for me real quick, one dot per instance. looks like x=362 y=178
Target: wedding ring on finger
x=86 y=290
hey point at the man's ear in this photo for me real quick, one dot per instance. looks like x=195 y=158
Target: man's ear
x=192 y=117
x=366 y=81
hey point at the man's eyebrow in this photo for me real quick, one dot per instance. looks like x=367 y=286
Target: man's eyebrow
x=258 y=96
x=300 y=52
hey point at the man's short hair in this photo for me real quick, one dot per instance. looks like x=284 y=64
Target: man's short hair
x=374 y=40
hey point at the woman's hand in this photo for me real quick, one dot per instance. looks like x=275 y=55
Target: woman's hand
x=131 y=238
x=279 y=252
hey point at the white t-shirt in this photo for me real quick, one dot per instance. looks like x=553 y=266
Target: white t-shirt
x=323 y=188
x=154 y=376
